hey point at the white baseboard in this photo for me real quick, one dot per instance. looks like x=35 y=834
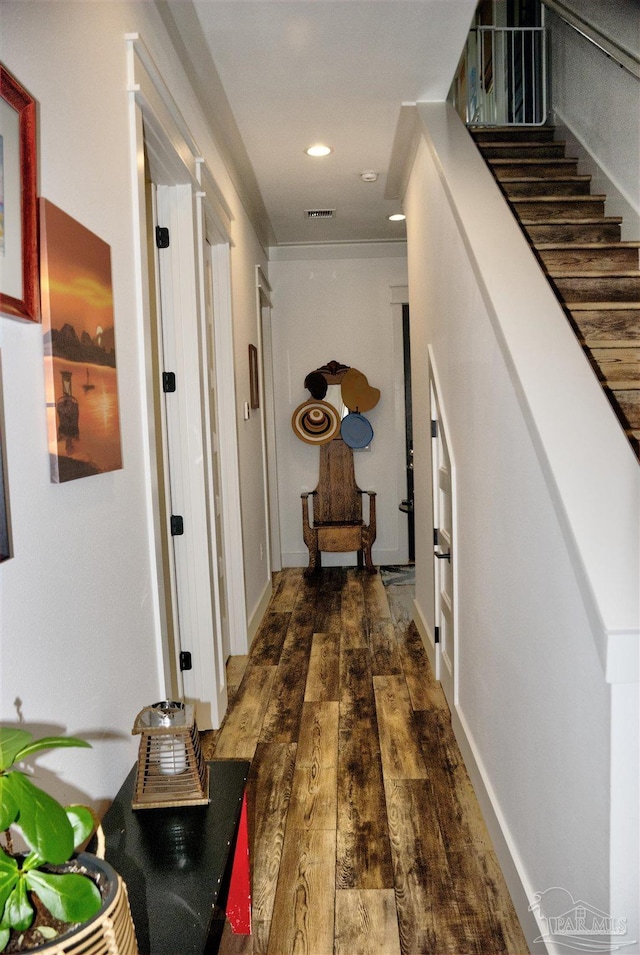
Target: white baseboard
x=256 y=617
x=427 y=639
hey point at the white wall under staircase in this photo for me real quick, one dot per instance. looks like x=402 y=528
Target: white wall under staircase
x=547 y=546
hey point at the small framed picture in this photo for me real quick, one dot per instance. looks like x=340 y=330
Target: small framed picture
x=254 y=386
x=19 y=286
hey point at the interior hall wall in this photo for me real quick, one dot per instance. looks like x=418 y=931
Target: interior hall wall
x=533 y=709
x=334 y=303
x=79 y=626
x=596 y=106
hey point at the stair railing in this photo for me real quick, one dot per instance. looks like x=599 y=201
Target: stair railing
x=506 y=76
x=626 y=58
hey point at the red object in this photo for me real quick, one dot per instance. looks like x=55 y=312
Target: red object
x=239 y=900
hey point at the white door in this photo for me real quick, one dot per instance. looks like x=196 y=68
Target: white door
x=186 y=404
x=443 y=551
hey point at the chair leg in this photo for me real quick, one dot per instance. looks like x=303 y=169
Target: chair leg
x=315 y=562
x=366 y=550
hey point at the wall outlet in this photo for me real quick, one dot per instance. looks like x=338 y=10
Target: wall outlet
x=261 y=551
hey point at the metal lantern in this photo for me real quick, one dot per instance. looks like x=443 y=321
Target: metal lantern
x=171 y=768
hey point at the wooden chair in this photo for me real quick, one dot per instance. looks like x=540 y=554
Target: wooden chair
x=337 y=524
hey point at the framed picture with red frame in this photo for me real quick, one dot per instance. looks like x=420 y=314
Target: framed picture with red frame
x=19 y=285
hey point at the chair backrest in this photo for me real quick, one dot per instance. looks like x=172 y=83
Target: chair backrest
x=338 y=499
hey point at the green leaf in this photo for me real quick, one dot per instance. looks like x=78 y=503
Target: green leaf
x=71 y=897
x=49 y=742
x=42 y=819
x=82 y=822
x=9 y=874
x=18 y=913
x=8 y=804
x=11 y=742
x=4 y=938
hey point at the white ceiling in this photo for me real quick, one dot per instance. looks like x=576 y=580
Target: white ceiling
x=289 y=73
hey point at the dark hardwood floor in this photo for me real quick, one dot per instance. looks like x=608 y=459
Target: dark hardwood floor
x=365 y=834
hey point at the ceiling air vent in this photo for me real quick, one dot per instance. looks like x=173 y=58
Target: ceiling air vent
x=319 y=213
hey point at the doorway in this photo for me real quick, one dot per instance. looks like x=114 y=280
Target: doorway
x=443 y=499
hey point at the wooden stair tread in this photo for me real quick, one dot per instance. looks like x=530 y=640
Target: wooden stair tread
x=552 y=198
x=601 y=306
x=592 y=273
x=586 y=220
x=513 y=179
x=532 y=160
x=593 y=344
x=585 y=246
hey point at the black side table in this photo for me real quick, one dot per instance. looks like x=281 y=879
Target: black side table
x=175 y=861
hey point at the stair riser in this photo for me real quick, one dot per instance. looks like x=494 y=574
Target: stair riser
x=573 y=232
x=617 y=365
x=605 y=259
x=589 y=209
x=501 y=135
x=607 y=325
x=619 y=289
x=545 y=170
x=545 y=187
x=533 y=151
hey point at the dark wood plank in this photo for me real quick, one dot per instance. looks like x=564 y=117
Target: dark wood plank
x=383 y=647
x=323 y=676
x=315 y=784
x=352 y=620
x=363 y=858
x=366 y=922
x=268 y=794
x=285 y=590
x=282 y=717
x=266 y=648
x=357 y=702
x=243 y=723
x=400 y=750
x=303 y=915
x=456 y=806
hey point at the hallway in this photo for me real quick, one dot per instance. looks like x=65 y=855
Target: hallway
x=366 y=836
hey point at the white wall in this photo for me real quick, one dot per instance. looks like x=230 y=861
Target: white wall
x=79 y=636
x=596 y=107
x=334 y=303
x=538 y=615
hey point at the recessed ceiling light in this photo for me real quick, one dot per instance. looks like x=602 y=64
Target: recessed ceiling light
x=318 y=150
x=397 y=217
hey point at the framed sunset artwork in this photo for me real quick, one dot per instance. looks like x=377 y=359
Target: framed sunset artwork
x=83 y=421
x=19 y=296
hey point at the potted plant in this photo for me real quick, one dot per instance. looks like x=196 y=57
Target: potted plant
x=50 y=899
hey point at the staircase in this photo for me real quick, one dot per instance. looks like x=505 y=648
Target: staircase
x=595 y=275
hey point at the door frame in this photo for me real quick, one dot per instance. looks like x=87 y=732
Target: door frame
x=158 y=129
x=439 y=415
x=268 y=421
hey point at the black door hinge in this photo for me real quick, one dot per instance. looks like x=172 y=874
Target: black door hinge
x=437 y=635
x=434 y=429
x=185 y=660
x=162 y=237
x=168 y=382
x=177 y=525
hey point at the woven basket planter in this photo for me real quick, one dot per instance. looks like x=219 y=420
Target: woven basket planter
x=110 y=931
